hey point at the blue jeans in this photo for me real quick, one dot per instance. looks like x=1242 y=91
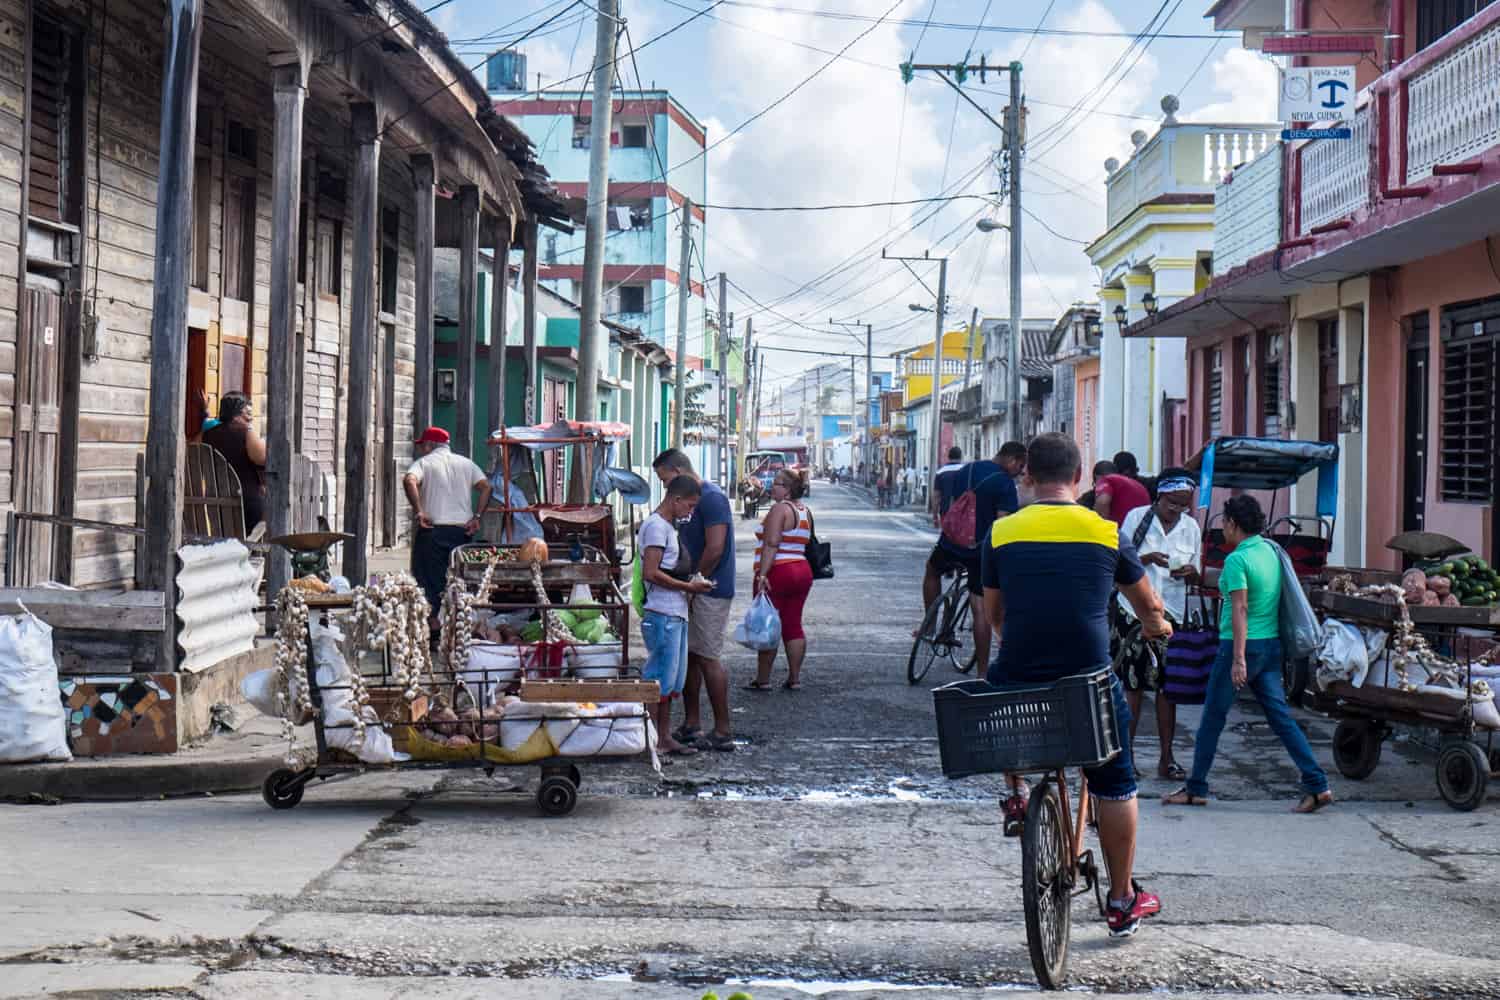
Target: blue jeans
x=1263 y=668
x=666 y=640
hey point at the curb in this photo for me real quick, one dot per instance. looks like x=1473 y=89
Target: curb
x=118 y=780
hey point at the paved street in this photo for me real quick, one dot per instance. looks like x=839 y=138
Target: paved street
x=828 y=851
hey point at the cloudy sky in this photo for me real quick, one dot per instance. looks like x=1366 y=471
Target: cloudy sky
x=854 y=133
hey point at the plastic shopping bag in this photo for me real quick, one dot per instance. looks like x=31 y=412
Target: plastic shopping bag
x=1301 y=632
x=761 y=629
x=33 y=725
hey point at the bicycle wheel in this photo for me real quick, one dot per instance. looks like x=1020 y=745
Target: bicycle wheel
x=925 y=647
x=1044 y=886
x=959 y=634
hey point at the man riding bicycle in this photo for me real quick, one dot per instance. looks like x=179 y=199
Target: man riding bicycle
x=1049 y=573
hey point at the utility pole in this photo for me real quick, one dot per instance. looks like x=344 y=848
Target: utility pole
x=742 y=417
x=1015 y=121
x=939 y=308
x=854 y=402
x=853 y=405
x=726 y=319
x=1015 y=118
x=817 y=417
x=760 y=381
x=969 y=364
x=595 y=218
x=684 y=297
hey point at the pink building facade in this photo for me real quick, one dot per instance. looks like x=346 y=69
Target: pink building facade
x=1355 y=294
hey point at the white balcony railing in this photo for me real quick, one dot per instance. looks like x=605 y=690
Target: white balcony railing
x=1183 y=158
x=1247 y=212
x=1335 y=175
x=1453 y=106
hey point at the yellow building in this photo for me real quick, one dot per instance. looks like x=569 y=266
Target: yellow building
x=959 y=346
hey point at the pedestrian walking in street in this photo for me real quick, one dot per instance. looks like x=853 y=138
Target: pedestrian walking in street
x=1250 y=654
x=670 y=586
x=1168 y=539
x=708 y=538
x=439 y=487
x=1101 y=469
x=1120 y=492
x=883 y=490
x=783 y=574
x=234 y=437
x=1050 y=572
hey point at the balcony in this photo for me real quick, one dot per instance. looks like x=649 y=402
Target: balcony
x=1425 y=138
x=1182 y=159
x=1247 y=211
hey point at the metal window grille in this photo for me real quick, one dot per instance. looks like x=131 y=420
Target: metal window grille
x=1471 y=355
x=1215 y=393
x=1270 y=407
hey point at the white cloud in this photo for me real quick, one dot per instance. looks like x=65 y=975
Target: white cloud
x=1244 y=84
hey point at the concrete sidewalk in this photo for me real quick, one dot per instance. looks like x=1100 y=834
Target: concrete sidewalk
x=224 y=762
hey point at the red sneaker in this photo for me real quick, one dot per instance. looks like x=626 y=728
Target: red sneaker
x=1125 y=922
x=1014 y=810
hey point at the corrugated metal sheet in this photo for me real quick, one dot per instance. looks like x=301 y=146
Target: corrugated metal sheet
x=215 y=603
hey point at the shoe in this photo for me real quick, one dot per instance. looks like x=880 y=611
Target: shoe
x=1125 y=922
x=1014 y=810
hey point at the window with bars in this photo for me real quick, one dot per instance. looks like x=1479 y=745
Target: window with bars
x=1471 y=355
x=1246 y=423
x=1435 y=18
x=1214 y=397
x=239 y=237
x=55 y=128
x=1270 y=405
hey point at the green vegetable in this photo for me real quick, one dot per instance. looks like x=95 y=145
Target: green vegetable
x=1473 y=602
x=568 y=618
x=739 y=996
x=532 y=632
x=587 y=615
x=1445 y=569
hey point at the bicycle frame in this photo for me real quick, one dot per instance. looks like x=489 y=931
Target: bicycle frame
x=1079 y=857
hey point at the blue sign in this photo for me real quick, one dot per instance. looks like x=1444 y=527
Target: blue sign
x=1288 y=134
x=1332 y=91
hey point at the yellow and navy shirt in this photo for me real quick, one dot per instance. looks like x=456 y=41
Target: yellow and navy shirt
x=1056 y=564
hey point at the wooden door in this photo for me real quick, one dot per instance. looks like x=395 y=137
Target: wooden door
x=196 y=404
x=38 y=419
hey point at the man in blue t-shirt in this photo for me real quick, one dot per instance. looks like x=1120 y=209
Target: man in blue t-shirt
x=995 y=496
x=708 y=538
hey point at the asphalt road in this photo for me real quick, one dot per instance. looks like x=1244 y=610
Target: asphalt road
x=826 y=854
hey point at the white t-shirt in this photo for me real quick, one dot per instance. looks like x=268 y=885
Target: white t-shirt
x=445 y=482
x=657 y=532
x=1181 y=548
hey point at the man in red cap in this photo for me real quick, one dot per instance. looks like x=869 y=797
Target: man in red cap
x=440 y=488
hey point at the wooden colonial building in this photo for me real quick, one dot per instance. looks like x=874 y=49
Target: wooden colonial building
x=241 y=195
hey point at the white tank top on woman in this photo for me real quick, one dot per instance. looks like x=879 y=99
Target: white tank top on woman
x=793 y=541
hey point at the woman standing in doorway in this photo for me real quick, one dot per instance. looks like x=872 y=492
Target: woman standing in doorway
x=782 y=573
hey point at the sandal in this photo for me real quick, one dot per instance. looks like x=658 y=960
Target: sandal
x=792 y=686
x=1183 y=797
x=1172 y=772
x=713 y=741
x=687 y=734
x=1310 y=803
x=758 y=686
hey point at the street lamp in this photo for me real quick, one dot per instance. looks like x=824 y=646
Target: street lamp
x=990 y=225
x=1120 y=317
x=1148 y=302
x=917 y=308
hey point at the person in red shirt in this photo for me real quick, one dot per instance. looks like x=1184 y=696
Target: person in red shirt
x=1120 y=493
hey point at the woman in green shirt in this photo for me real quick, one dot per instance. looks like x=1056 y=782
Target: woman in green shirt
x=1250 y=653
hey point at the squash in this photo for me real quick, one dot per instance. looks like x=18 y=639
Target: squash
x=533 y=550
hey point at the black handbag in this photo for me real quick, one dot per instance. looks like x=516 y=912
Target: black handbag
x=819 y=554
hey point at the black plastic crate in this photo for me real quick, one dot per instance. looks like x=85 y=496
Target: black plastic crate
x=983 y=729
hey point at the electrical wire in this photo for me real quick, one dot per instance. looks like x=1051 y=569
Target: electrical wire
x=1039 y=23
x=1044 y=224
x=786 y=96
x=851 y=205
x=953 y=26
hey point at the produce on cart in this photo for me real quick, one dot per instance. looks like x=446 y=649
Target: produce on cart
x=456 y=711
x=1377 y=670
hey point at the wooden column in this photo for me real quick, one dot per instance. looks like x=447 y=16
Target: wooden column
x=423 y=175
x=499 y=322
x=364 y=195
x=468 y=315
x=528 y=325
x=169 y=309
x=281 y=348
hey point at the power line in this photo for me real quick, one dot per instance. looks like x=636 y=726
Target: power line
x=841 y=207
x=956 y=26
x=784 y=97
x=1043 y=223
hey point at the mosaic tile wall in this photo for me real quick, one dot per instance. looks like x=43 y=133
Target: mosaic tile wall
x=128 y=713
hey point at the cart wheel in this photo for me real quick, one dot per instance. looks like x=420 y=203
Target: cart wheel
x=575 y=776
x=282 y=789
x=1463 y=775
x=556 y=796
x=1356 y=748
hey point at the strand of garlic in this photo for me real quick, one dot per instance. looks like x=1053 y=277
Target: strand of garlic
x=292 y=688
x=553 y=629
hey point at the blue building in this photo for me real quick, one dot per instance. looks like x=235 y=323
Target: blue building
x=655 y=163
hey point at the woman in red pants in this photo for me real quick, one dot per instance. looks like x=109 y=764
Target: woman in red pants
x=783 y=575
